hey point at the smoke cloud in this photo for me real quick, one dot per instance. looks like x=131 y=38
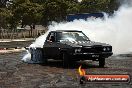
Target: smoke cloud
x=115 y=30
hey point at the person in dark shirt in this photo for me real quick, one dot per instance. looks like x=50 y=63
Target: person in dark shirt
x=51 y=38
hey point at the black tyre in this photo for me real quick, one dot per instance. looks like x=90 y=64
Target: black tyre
x=65 y=59
x=101 y=62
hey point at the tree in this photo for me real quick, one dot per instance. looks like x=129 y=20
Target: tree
x=5 y=15
x=73 y=6
x=25 y=13
x=113 y=5
x=54 y=10
x=91 y=6
x=31 y=12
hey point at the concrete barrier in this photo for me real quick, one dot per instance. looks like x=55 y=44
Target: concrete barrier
x=15 y=44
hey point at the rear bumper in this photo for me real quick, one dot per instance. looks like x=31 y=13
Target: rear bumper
x=86 y=56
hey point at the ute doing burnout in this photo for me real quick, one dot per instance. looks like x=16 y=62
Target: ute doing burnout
x=72 y=46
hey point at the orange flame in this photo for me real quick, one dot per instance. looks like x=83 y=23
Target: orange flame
x=81 y=71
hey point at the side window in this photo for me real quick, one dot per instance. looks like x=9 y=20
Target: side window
x=59 y=36
x=51 y=37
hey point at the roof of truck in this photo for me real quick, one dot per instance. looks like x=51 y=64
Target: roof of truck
x=66 y=31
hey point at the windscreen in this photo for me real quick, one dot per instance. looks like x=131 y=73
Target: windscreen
x=72 y=36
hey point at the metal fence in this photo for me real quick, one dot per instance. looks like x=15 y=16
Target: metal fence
x=21 y=34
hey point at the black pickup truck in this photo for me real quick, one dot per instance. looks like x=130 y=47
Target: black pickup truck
x=72 y=46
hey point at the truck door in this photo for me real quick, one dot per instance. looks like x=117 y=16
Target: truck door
x=51 y=47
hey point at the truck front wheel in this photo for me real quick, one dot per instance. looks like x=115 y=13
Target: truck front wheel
x=101 y=62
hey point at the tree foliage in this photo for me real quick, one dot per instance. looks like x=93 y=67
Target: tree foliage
x=54 y=10
x=91 y=6
x=4 y=17
x=28 y=12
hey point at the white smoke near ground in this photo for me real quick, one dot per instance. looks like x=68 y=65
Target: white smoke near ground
x=27 y=57
x=115 y=30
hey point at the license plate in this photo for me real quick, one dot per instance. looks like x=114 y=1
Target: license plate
x=95 y=55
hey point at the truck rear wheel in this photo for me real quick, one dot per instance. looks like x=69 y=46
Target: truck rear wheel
x=101 y=62
x=65 y=59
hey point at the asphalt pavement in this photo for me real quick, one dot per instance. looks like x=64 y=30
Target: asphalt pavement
x=15 y=73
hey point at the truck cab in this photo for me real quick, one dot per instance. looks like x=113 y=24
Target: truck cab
x=74 y=45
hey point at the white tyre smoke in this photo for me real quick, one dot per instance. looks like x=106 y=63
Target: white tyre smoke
x=114 y=30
